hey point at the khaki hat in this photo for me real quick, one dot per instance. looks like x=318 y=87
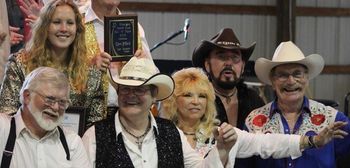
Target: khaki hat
x=143 y=71
x=286 y=53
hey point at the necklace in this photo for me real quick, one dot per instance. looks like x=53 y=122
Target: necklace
x=227 y=97
x=139 y=139
x=189 y=133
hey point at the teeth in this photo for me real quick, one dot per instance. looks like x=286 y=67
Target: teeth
x=50 y=114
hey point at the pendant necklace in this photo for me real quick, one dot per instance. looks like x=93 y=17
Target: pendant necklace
x=191 y=134
x=139 y=139
x=227 y=97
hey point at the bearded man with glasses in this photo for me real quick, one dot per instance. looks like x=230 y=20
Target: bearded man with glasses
x=33 y=137
x=292 y=112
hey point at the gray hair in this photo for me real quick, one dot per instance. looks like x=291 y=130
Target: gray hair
x=42 y=76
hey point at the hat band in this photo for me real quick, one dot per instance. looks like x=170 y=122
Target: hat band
x=133 y=78
x=228 y=43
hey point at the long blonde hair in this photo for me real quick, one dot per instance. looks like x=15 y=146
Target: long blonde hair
x=186 y=80
x=38 y=51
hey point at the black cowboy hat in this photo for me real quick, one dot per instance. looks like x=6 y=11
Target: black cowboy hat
x=225 y=39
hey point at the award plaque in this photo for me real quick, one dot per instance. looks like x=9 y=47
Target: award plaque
x=74 y=119
x=120 y=34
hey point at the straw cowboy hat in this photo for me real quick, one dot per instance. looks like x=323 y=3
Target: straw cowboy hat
x=143 y=71
x=225 y=39
x=286 y=53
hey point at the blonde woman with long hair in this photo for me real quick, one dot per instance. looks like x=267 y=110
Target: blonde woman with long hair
x=58 y=41
x=192 y=108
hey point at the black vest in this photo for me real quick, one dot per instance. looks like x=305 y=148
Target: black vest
x=111 y=152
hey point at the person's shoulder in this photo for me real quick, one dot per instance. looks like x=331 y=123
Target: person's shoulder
x=258 y=117
x=89 y=133
x=163 y=121
x=5 y=118
x=69 y=133
x=19 y=56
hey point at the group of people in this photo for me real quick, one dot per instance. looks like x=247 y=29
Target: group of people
x=209 y=117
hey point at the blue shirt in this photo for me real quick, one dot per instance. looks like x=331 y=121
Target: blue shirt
x=315 y=116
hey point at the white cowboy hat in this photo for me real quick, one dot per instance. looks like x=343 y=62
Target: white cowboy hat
x=143 y=71
x=285 y=53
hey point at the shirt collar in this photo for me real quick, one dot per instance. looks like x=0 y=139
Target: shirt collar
x=20 y=126
x=118 y=127
x=275 y=109
x=90 y=15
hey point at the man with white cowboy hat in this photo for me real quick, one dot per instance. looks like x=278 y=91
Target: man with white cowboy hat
x=291 y=112
x=135 y=138
x=223 y=58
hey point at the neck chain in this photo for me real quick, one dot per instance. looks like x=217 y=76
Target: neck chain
x=139 y=139
x=189 y=133
x=227 y=97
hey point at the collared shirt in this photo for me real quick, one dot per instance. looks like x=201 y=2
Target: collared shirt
x=90 y=16
x=32 y=152
x=313 y=118
x=148 y=156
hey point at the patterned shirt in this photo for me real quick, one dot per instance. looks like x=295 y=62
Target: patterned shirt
x=313 y=118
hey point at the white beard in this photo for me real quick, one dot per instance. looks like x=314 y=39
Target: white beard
x=46 y=124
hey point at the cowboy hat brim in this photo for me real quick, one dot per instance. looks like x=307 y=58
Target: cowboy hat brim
x=263 y=66
x=164 y=83
x=202 y=51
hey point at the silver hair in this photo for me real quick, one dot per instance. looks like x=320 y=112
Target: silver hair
x=43 y=76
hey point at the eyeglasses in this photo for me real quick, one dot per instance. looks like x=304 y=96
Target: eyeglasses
x=51 y=101
x=223 y=56
x=138 y=91
x=283 y=76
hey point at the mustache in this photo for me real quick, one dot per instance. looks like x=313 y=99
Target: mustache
x=229 y=69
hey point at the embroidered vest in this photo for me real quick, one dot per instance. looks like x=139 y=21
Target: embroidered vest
x=321 y=116
x=111 y=152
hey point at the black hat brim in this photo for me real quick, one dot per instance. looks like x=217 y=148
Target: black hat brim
x=202 y=51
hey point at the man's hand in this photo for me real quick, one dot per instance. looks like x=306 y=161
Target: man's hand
x=102 y=61
x=226 y=137
x=330 y=132
x=140 y=53
x=15 y=37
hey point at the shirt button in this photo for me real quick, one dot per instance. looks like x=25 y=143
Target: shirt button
x=144 y=161
x=289 y=164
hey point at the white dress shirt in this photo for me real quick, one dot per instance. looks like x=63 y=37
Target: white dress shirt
x=47 y=152
x=148 y=156
x=90 y=16
x=265 y=145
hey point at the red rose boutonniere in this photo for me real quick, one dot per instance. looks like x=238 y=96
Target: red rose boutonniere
x=259 y=120
x=318 y=119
